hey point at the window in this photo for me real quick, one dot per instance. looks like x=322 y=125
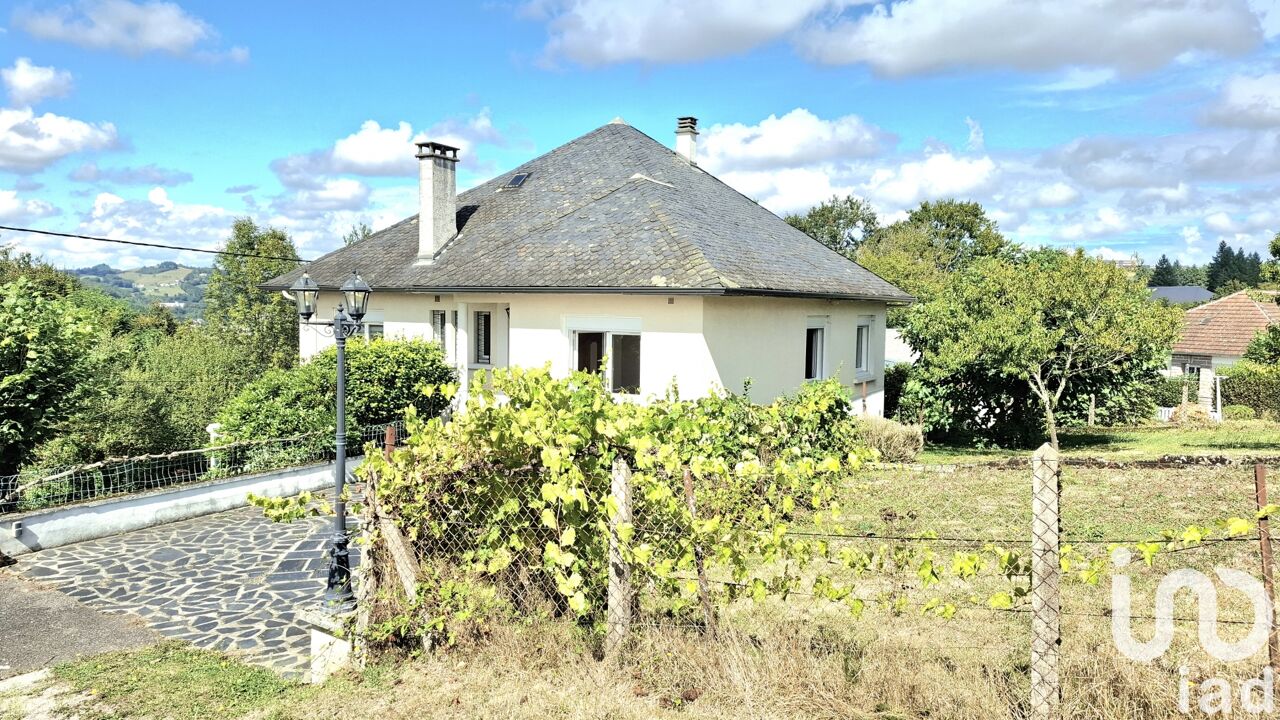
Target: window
x=624 y=357
x=813 y=342
x=483 y=331
x=517 y=180
x=437 y=326
x=372 y=330
x=862 y=348
x=623 y=371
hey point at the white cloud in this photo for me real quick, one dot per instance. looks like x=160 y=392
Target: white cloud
x=28 y=83
x=29 y=142
x=798 y=138
x=908 y=37
x=1077 y=78
x=1104 y=163
x=598 y=32
x=786 y=190
x=1058 y=194
x=133 y=28
x=331 y=195
x=1222 y=222
x=1105 y=221
x=14 y=208
x=149 y=174
x=1112 y=254
x=977 y=139
x=941 y=175
x=1249 y=102
x=1255 y=154
x=374 y=150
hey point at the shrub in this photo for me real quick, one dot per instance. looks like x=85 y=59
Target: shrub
x=894 y=441
x=1167 y=391
x=1254 y=385
x=1191 y=415
x=383 y=378
x=514 y=497
x=895 y=378
x=1238 y=412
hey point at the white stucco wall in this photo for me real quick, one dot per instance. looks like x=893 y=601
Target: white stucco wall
x=700 y=343
x=764 y=339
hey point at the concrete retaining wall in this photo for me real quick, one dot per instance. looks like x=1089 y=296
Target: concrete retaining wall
x=42 y=529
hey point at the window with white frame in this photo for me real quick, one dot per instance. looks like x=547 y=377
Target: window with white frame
x=437 y=326
x=862 y=346
x=815 y=340
x=483 y=333
x=622 y=373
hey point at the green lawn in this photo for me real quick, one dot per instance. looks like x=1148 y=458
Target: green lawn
x=1231 y=438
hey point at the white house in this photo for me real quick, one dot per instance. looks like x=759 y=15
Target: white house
x=613 y=245
x=1215 y=335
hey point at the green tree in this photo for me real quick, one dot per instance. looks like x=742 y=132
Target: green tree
x=1164 y=273
x=1007 y=337
x=52 y=282
x=43 y=361
x=1265 y=346
x=1271 y=268
x=921 y=253
x=841 y=224
x=356 y=234
x=263 y=322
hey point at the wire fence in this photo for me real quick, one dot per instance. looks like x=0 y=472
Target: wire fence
x=114 y=477
x=872 y=573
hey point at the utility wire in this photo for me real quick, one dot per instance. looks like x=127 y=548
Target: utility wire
x=150 y=245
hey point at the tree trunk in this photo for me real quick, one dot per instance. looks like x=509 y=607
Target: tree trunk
x=1050 y=420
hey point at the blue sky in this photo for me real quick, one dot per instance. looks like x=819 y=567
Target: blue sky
x=1122 y=126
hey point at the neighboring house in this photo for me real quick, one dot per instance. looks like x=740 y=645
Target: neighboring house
x=897 y=350
x=614 y=245
x=1216 y=334
x=1181 y=294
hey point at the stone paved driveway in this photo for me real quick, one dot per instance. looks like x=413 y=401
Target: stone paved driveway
x=230 y=581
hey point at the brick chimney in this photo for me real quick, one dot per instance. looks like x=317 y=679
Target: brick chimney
x=437 y=198
x=687 y=139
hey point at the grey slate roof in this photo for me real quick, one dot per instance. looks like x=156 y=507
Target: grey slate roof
x=612 y=211
x=1178 y=294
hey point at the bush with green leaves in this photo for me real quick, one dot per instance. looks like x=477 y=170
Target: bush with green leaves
x=514 y=492
x=383 y=378
x=1168 y=392
x=1238 y=412
x=1252 y=384
x=44 y=361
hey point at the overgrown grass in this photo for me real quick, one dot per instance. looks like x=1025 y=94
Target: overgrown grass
x=172 y=680
x=1232 y=438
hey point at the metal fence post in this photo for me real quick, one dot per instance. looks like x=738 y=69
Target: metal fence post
x=1046 y=628
x=1268 y=578
x=620 y=590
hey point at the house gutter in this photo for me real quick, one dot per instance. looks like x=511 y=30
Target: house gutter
x=588 y=290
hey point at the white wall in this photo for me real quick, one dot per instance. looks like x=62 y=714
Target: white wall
x=701 y=343
x=764 y=339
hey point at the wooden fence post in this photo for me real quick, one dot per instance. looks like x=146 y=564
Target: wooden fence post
x=389 y=441
x=620 y=590
x=1046 y=628
x=1092 y=409
x=1268 y=578
x=704 y=593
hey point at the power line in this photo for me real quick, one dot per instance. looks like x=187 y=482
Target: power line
x=149 y=245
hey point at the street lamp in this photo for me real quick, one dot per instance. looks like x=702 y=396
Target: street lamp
x=338 y=596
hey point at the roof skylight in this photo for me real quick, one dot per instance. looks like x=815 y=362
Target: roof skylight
x=516 y=180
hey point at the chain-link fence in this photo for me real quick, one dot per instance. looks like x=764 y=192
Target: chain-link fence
x=929 y=563
x=122 y=476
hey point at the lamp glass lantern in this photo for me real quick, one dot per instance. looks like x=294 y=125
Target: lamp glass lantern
x=306 y=293
x=355 y=292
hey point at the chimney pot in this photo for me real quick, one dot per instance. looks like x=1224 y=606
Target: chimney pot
x=437 y=198
x=687 y=139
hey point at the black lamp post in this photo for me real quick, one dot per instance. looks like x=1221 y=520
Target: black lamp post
x=338 y=595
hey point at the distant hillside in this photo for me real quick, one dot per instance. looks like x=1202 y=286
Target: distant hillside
x=179 y=287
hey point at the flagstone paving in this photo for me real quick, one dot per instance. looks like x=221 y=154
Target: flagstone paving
x=232 y=581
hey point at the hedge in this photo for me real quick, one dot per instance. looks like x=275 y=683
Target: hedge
x=1253 y=385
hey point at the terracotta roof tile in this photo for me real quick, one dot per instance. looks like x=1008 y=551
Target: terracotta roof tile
x=1226 y=325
